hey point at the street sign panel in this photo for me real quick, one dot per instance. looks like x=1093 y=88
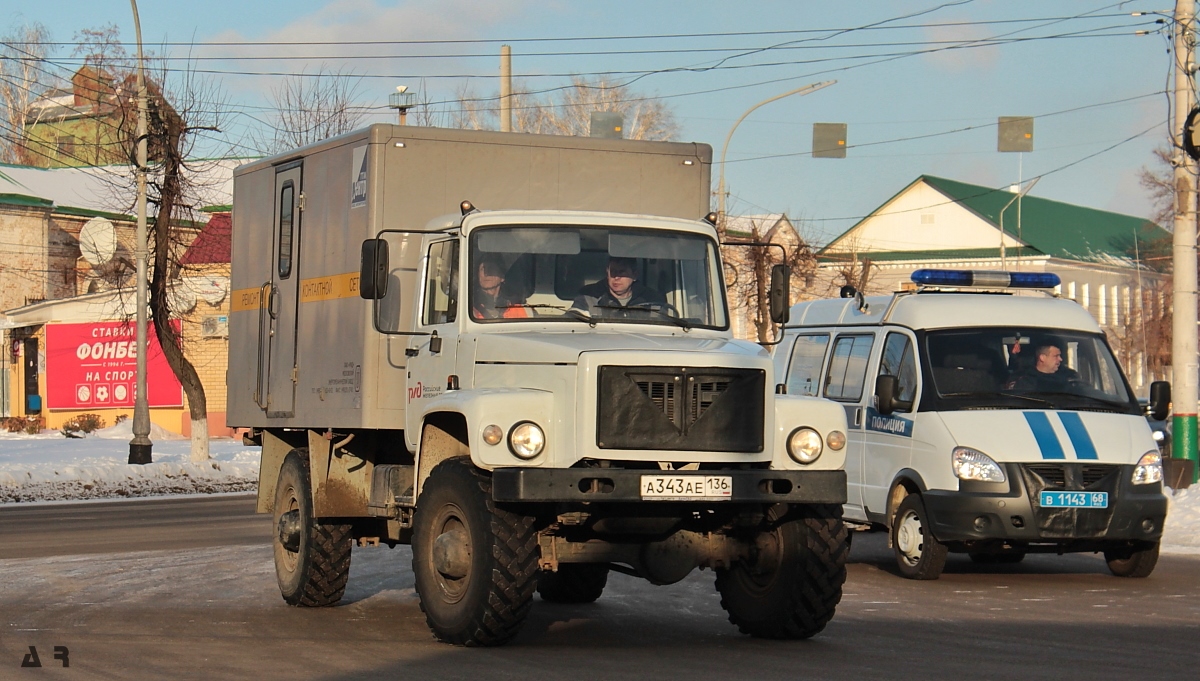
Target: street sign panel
x=1015 y=133
x=829 y=140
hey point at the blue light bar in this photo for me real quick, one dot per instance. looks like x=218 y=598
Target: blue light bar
x=985 y=278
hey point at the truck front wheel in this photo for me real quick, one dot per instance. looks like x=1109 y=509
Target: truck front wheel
x=792 y=582
x=475 y=564
x=312 y=559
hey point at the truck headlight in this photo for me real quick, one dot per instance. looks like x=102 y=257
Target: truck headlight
x=1149 y=469
x=526 y=440
x=804 y=445
x=970 y=464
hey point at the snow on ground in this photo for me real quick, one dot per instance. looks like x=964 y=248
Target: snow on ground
x=51 y=467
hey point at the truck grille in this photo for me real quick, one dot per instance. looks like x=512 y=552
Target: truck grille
x=1071 y=523
x=681 y=408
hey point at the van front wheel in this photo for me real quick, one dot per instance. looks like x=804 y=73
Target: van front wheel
x=1131 y=562
x=918 y=554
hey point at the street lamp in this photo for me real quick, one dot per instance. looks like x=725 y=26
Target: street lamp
x=140 y=447
x=721 y=183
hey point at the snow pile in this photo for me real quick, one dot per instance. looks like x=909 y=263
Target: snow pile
x=1182 y=533
x=48 y=467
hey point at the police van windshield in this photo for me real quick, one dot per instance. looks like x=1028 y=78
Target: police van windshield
x=595 y=274
x=1024 y=368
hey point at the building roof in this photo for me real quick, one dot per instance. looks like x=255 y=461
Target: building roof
x=108 y=189
x=213 y=244
x=1048 y=227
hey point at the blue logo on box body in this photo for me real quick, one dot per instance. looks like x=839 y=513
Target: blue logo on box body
x=891 y=424
x=358 y=177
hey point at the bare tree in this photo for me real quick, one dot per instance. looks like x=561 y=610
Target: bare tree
x=748 y=268
x=312 y=108
x=23 y=77
x=570 y=113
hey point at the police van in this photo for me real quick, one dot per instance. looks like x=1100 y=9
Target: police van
x=983 y=421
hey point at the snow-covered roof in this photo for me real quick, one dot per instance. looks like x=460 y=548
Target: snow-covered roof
x=110 y=188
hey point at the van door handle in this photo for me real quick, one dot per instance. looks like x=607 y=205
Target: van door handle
x=412 y=352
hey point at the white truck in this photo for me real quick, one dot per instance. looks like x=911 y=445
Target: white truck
x=514 y=353
x=984 y=422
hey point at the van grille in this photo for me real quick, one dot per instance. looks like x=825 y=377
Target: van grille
x=681 y=408
x=1071 y=523
x=1070 y=476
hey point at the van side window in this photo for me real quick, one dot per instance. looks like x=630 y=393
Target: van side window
x=804 y=370
x=848 y=367
x=441 y=283
x=899 y=360
x=287 y=195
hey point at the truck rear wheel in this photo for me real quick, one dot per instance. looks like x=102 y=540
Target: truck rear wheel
x=918 y=554
x=1132 y=562
x=312 y=559
x=791 y=586
x=475 y=564
x=573 y=583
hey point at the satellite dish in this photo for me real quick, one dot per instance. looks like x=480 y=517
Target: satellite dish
x=98 y=241
x=181 y=298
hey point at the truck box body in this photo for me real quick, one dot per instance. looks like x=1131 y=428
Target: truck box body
x=325 y=364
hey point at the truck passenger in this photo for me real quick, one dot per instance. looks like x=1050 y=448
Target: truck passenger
x=487 y=299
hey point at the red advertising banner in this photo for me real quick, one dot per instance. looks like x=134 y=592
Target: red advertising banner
x=94 y=366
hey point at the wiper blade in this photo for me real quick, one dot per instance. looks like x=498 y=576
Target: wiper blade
x=1028 y=398
x=1108 y=403
x=677 y=321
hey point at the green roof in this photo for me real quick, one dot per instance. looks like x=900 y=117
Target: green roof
x=1052 y=228
x=25 y=200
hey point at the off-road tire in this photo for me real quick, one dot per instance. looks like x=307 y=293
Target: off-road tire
x=488 y=604
x=791 y=589
x=919 y=555
x=315 y=575
x=1132 y=563
x=573 y=583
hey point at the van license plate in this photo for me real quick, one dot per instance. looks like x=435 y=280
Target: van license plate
x=1074 y=499
x=687 y=487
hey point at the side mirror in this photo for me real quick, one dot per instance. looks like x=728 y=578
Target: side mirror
x=373 y=270
x=1160 y=400
x=886 y=390
x=780 y=294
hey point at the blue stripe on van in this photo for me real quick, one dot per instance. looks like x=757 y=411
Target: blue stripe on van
x=1080 y=440
x=1043 y=432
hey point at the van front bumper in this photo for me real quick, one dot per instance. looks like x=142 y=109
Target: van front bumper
x=608 y=485
x=1010 y=510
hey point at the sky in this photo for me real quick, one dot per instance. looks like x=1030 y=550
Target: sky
x=920 y=83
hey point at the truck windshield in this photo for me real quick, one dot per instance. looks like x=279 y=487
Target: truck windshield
x=595 y=274
x=1019 y=368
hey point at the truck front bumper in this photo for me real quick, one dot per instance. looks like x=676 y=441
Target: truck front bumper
x=1012 y=512
x=614 y=485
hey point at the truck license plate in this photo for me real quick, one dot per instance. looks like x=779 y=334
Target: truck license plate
x=1074 y=499
x=687 y=487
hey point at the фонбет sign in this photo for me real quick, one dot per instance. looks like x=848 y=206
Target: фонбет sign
x=94 y=366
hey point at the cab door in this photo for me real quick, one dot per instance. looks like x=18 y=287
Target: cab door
x=889 y=436
x=845 y=382
x=282 y=298
x=431 y=355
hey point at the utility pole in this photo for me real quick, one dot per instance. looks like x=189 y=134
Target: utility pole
x=505 y=88
x=1184 y=368
x=140 y=447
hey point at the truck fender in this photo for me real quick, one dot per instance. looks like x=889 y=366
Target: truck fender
x=455 y=422
x=822 y=415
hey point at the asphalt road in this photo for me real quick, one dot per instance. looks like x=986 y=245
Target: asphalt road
x=185 y=588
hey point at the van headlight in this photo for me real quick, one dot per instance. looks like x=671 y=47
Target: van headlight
x=971 y=464
x=1149 y=469
x=526 y=440
x=804 y=445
